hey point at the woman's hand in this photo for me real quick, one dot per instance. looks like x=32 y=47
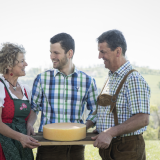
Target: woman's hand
x=30 y=130
x=28 y=142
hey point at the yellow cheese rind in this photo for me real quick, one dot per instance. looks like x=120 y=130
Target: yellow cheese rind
x=64 y=131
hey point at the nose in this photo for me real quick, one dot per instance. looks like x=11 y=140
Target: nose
x=26 y=64
x=52 y=55
x=100 y=55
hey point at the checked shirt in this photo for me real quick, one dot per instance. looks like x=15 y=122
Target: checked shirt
x=134 y=98
x=62 y=98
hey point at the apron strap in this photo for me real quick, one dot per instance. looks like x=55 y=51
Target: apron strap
x=6 y=88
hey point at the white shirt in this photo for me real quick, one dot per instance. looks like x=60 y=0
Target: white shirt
x=3 y=94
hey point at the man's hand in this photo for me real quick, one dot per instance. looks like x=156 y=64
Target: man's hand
x=102 y=140
x=89 y=124
x=30 y=130
x=28 y=142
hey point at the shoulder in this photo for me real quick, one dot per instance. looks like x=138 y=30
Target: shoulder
x=83 y=74
x=135 y=75
x=45 y=75
x=136 y=78
x=1 y=86
x=87 y=79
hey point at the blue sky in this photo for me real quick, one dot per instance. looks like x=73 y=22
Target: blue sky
x=33 y=22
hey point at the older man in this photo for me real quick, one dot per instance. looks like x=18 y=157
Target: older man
x=123 y=111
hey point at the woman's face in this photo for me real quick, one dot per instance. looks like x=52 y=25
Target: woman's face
x=19 y=68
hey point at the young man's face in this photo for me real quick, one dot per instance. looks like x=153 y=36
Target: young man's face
x=58 y=56
x=107 y=55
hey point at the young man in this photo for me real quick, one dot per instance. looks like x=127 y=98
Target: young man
x=61 y=94
x=123 y=117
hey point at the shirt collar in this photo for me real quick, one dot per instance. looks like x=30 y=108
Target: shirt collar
x=76 y=72
x=123 y=69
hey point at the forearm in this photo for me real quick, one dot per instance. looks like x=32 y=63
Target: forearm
x=32 y=118
x=132 y=124
x=8 y=132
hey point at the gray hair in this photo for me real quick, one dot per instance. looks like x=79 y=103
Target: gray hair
x=8 y=55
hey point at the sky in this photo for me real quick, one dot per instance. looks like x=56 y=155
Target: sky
x=32 y=23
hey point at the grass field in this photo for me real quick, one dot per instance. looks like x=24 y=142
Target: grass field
x=152 y=151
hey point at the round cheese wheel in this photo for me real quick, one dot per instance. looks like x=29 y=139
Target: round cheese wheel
x=64 y=131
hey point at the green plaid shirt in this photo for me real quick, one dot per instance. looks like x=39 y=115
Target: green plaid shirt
x=134 y=98
x=62 y=98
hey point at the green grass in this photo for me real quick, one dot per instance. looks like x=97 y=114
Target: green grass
x=152 y=151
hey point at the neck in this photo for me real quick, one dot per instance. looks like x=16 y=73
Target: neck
x=67 y=70
x=11 y=79
x=121 y=62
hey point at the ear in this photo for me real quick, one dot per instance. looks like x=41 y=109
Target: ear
x=9 y=68
x=70 y=53
x=119 y=51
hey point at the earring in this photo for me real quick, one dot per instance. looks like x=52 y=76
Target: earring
x=11 y=74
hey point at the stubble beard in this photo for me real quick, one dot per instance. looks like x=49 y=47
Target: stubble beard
x=61 y=64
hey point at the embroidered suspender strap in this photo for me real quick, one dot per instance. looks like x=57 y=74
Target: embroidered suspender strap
x=114 y=98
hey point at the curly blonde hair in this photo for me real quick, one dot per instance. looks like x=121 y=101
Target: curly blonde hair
x=8 y=55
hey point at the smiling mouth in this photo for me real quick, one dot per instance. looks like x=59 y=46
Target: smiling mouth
x=54 y=61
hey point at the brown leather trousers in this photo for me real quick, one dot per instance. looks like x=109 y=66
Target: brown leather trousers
x=125 y=148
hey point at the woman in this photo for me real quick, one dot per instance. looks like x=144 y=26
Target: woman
x=14 y=106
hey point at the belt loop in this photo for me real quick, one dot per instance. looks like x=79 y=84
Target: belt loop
x=138 y=136
x=123 y=140
x=118 y=137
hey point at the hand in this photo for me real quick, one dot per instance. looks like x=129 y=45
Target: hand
x=89 y=124
x=95 y=131
x=28 y=142
x=30 y=130
x=102 y=140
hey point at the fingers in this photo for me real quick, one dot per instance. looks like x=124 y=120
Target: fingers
x=95 y=131
x=29 y=142
x=100 y=145
x=95 y=137
x=30 y=131
x=31 y=146
x=33 y=140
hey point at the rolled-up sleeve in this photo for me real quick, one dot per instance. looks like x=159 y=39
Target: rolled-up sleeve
x=92 y=101
x=36 y=98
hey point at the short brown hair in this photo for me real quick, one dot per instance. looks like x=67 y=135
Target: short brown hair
x=8 y=55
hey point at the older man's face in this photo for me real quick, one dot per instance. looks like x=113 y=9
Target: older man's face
x=109 y=56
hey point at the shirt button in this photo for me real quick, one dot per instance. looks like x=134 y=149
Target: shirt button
x=65 y=100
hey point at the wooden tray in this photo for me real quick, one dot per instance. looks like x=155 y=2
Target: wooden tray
x=44 y=142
